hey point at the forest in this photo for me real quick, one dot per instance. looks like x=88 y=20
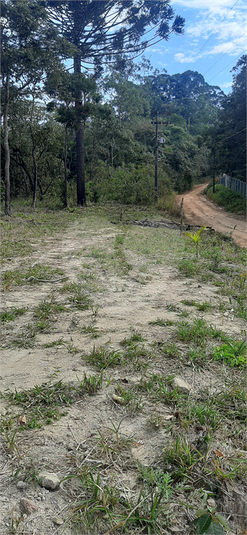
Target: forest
x=79 y=111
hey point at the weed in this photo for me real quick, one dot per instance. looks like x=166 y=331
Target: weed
x=135 y=337
x=77 y=296
x=181 y=458
x=172 y=308
x=102 y=358
x=45 y=311
x=210 y=523
x=170 y=350
x=232 y=353
x=132 y=402
x=91 y=384
x=189 y=302
x=41 y=403
x=10 y=315
x=198 y=332
x=59 y=342
x=196 y=238
x=161 y=322
x=188 y=267
x=33 y=275
x=204 y=413
x=122 y=265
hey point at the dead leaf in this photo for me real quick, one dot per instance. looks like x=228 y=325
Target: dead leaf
x=118 y=399
x=22 y=419
x=218 y=453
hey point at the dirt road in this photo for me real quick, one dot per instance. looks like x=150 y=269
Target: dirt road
x=198 y=210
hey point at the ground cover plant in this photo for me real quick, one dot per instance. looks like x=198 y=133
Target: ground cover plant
x=122 y=373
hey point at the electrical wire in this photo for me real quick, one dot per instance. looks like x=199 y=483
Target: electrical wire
x=224 y=54
x=233 y=61
x=215 y=30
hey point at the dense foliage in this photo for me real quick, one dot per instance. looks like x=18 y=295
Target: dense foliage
x=92 y=136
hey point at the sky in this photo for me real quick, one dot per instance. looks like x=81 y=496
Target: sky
x=215 y=37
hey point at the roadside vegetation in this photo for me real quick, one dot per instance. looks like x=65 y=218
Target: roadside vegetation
x=230 y=200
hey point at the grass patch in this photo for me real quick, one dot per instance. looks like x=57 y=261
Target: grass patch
x=34 y=273
x=45 y=312
x=102 y=358
x=42 y=404
x=12 y=314
x=232 y=353
x=198 y=332
x=77 y=297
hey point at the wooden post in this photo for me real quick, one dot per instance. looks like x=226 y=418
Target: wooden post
x=181 y=216
x=156 y=161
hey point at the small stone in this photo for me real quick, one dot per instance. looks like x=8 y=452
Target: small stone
x=28 y=506
x=211 y=502
x=58 y=521
x=21 y=485
x=48 y=480
x=181 y=385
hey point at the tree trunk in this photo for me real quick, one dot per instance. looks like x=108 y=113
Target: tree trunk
x=35 y=170
x=81 y=193
x=6 y=149
x=65 y=167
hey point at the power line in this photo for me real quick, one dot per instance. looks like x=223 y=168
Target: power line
x=224 y=54
x=233 y=61
x=233 y=135
x=215 y=30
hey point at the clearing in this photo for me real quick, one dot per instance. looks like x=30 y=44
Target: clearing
x=199 y=210
x=100 y=323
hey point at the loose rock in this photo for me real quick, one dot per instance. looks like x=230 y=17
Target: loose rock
x=21 y=485
x=28 y=506
x=181 y=385
x=49 y=480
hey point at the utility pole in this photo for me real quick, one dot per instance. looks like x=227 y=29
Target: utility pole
x=156 y=161
x=162 y=140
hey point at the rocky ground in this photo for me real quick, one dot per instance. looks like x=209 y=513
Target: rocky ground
x=111 y=385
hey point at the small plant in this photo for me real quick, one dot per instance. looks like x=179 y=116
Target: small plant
x=91 y=384
x=161 y=322
x=10 y=315
x=102 y=358
x=77 y=296
x=195 y=237
x=210 y=523
x=232 y=353
x=181 y=458
x=198 y=332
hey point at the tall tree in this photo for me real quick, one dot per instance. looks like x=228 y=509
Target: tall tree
x=101 y=29
x=30 y=47
x=231 y=133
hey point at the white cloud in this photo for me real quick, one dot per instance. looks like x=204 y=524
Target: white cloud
x=181 y=58
x=212 y=5
x=226 y=84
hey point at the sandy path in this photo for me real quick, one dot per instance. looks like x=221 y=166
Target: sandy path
x=198 y=210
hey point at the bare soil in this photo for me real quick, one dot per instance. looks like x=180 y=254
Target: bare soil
x=199 y=210
x=122 y=304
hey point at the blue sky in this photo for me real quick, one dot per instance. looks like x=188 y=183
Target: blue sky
x=215 y=37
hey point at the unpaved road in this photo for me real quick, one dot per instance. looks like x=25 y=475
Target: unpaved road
x=199 y=210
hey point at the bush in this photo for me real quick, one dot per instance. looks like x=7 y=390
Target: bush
x=232 y=201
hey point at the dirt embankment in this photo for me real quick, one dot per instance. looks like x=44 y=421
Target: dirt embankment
x=198 y=210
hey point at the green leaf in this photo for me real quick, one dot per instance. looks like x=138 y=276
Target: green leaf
x=201 y=512
x=223 y=521
x=214 y=529
x=203 y=524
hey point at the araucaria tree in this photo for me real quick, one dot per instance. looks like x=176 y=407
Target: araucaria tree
x=100 y=30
